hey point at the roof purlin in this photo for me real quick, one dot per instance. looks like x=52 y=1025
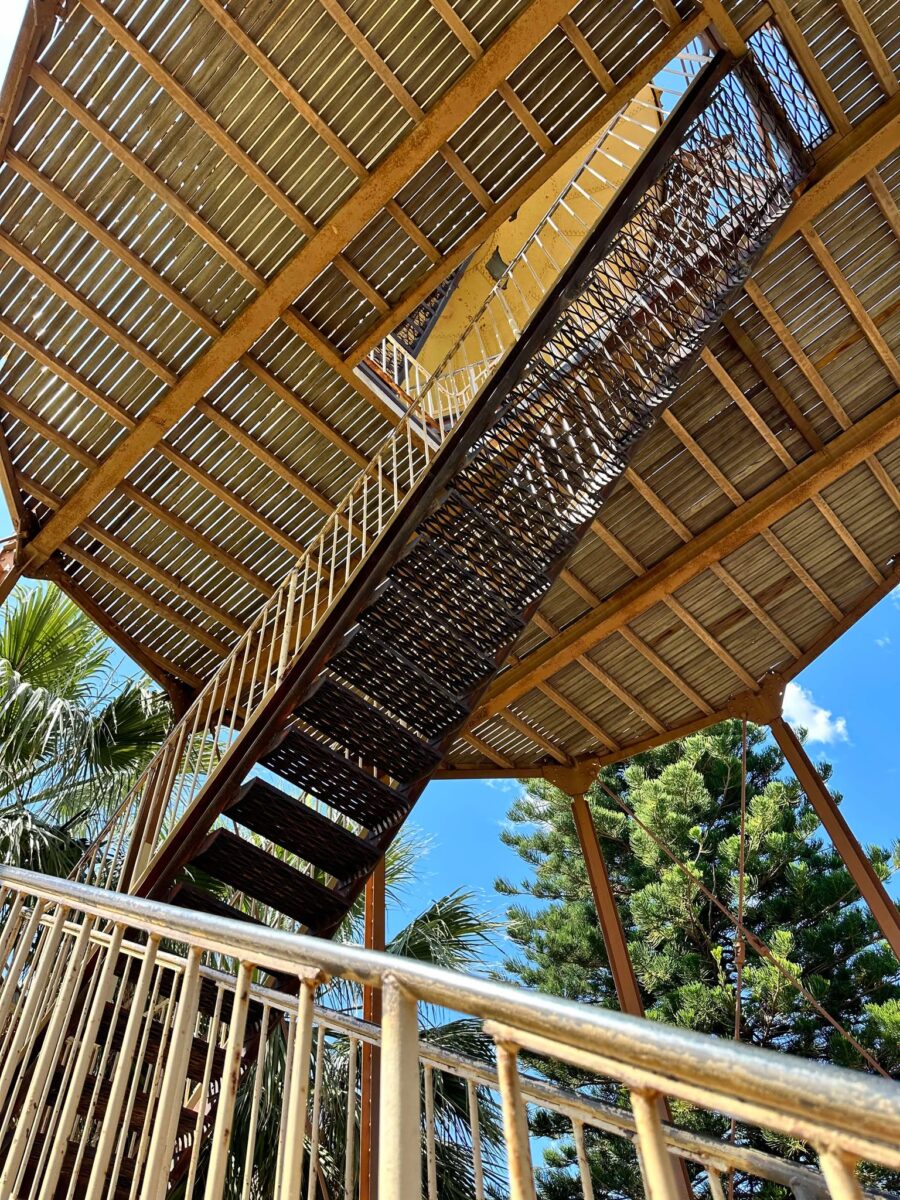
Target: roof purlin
x=479 y=81
x=850 y=448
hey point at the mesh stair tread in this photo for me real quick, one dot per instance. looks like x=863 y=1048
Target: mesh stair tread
x=487 y=549
x=298 y=828
x=198 y=1051
x=429 y=567
x=124 y=1177
x=367 y=733
x=188 y=895
x=424 y=631
x=308 y=763
x=403 y=687
x=237 y=862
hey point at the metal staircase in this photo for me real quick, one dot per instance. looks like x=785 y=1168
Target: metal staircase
x=350 y=684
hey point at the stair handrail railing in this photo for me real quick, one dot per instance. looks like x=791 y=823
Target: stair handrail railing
x=124 y=849
x=505 y=310
x=87 y=1060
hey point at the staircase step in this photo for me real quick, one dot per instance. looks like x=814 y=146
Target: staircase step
x=308 y=763
x=429 y=568
x=367 y=733
x=199 y=1047
x=124 y=1177
x=300 y=829
x=186 y=1118
x=246 y=867
x=425 y=635
x=188 y=895
x=401 y=686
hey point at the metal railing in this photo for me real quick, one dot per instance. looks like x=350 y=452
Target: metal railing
x=603 y=355
x=127 y=846
x=120 y=1047
x=536 y=266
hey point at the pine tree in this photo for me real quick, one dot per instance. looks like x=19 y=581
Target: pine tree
x=800 y=901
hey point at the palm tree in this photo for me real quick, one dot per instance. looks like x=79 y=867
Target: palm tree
x=74 y=735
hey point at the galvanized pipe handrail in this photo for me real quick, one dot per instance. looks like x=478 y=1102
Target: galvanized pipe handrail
x=834 y=1104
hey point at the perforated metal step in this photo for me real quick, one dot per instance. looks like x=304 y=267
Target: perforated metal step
x=309 y=764
x=249 y=869
x=427 y=636
x=430 y=568
x=300 y=829
x=401 y=686
x=367 y=733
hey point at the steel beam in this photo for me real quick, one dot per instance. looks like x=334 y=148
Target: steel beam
x=869 y=435
x=481 y=79
x=624 y=978
x=370 y=1078
x=871 y=888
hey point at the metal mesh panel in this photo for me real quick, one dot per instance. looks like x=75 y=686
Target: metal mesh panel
x=634 y=323
x=788 y=86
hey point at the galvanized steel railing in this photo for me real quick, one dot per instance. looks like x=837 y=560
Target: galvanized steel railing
x=101 y=996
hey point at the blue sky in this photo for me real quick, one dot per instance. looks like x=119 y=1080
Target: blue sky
x=848 y=700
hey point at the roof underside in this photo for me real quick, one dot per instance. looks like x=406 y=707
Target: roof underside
x=302 y=180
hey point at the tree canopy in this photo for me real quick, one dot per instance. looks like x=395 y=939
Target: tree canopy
x=800 y=901
x=74 y=731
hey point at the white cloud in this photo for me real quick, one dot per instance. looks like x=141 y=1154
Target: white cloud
x=881 y=642
x=801 y=709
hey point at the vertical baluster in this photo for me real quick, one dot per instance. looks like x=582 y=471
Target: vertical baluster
x=125 y=1062
x=221 y=1139
x=29 y=1000
x=313 y=1173
x=475 y=1132
x=124 y=1134
x=288 y=624
x=293 y=1145
x=152 y=1113
x=51 y=1040
x=430 y=1153
x=399 y=1153
x=840 y=1176
x=212 y=1037
x=656 y=1163
x=716 y=1191
x=105 y=980
x=285 y=1092
x=171 y=1096
x=584 y=1166
x=276 y=622
x=515 y=1125
x=350 y=1135
x=254 y=1103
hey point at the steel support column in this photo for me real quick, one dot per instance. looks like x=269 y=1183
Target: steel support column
x=624 y=978
x=872 y=890
x=371 y=1056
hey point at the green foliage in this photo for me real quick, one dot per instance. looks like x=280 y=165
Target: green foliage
x=800 y=901
x=73 y=736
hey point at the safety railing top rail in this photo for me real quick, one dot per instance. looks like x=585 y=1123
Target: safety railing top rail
x=61 y=949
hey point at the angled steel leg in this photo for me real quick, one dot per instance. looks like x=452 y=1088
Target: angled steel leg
x=872 y=890
x=624 y=978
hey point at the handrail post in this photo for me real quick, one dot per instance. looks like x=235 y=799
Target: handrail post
x=371 y=1056
x=171 y=1096
x=400 y=1143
